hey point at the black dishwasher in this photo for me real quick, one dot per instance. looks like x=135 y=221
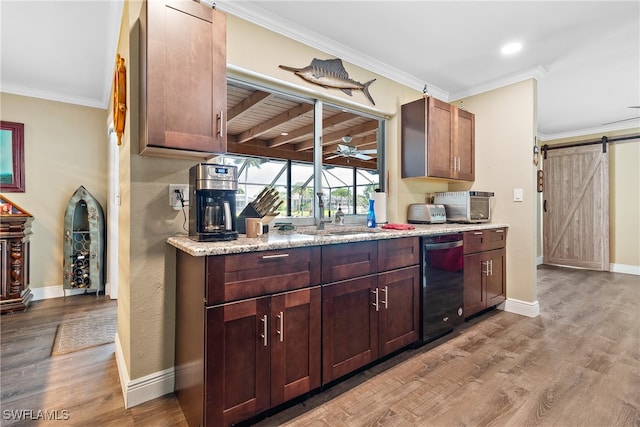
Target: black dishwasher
x=442 y=285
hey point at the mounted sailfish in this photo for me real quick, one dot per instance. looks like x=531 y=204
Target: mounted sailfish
x=331 y=73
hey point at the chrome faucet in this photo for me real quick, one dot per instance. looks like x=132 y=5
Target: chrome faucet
x=321 y=221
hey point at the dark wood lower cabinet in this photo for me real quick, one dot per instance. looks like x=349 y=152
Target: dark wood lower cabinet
x=349 y=326
x=484 y=280
x=399 y=309
x=367 y=318
x=261 y=352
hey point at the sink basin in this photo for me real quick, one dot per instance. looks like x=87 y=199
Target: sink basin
x=332 y=232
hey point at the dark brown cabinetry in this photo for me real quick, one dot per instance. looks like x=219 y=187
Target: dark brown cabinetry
x=263 y=352
x=373 y=310
x=247 y=332
x=183 y=79
x=484 y=269
x=438 y=140
x=15 y=230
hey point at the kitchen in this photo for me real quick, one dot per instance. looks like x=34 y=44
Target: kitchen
x=146 y=285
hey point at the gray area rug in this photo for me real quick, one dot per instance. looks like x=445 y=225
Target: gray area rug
x=84 y=333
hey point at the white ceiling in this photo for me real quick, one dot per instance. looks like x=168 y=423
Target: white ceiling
x=585 y=54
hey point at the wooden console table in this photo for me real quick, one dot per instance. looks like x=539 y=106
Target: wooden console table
x=15 y=228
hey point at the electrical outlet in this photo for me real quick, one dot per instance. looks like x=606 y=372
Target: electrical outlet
x=174 y=191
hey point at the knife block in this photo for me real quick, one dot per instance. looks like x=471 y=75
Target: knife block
x=248 y=212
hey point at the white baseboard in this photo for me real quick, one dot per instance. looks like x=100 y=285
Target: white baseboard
x=142 y=389
x=524 y=308
x=539 y=260
x=626 y=269
x=53 y=292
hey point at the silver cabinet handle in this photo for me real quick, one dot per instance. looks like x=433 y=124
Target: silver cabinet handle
x=375 y=304
x=264 y=335
x=499 y=230
x=491 y=267
x=220 y=123
x=477 y=233
x=485 y=264
x=386 y=297
x=275 y=256
x=281 y=326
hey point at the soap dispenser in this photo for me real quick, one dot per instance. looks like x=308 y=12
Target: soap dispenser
x=371 y=215
x=339 y=216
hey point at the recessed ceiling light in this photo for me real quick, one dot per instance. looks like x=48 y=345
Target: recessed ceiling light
x=510 y=48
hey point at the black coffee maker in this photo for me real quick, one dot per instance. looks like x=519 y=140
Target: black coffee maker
x=212 y=202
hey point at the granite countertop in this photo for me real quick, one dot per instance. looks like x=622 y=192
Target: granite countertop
x=309 y=236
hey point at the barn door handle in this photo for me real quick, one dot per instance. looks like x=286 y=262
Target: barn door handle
x=544 y=205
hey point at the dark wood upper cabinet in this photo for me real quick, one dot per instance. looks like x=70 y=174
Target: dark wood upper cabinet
x=438 y=141
x=182 y=80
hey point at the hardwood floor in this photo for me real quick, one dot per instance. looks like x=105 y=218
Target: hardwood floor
x=577 y=364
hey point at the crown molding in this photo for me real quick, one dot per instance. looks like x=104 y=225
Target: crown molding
x=55 y=96
x=588 y=131
x=537 y=72
x=301 y=34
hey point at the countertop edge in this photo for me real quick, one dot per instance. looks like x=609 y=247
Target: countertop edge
x=275 y=241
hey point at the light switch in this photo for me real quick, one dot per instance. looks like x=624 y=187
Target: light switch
x=518 y=194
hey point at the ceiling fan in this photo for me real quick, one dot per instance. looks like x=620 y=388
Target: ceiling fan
x=347 y=150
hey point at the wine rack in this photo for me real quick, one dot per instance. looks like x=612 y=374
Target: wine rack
x=84 y=244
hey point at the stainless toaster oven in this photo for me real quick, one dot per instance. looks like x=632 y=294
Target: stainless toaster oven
x=466 y=206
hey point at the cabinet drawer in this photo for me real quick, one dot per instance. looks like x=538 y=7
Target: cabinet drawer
x=349 y=260
x=234 y=277
x=398 y=253
x=484 y=240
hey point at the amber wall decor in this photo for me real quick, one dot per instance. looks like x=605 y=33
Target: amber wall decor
x=119 y=97
x=12 y=157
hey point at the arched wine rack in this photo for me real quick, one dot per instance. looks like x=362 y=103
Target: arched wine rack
x=84 y=244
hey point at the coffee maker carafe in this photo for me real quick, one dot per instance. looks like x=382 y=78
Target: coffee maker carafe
x=212 y=209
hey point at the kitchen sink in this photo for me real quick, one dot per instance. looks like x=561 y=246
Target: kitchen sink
x=333 y=232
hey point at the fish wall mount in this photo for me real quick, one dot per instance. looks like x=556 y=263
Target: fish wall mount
x=330 y=73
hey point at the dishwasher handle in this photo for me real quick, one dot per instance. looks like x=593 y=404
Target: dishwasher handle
x=443 y=245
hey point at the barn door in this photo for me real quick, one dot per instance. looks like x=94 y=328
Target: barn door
x=576 y=208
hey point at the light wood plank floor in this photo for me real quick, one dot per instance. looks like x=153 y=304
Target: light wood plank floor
x=577 y=364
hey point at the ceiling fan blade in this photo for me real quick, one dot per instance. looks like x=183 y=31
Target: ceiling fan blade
x=361 y=156
x=373 y=151
x=333 y=157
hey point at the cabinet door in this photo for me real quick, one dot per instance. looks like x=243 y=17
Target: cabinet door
x=184 y=82
x=495 y=286
x=349 y=326
x=398 y=308
x=474 y=294
x=295 y=344
x=464 y=145
x=237 y=361
x=439 y=156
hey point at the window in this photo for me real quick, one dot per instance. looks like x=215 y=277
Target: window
x=270 y=139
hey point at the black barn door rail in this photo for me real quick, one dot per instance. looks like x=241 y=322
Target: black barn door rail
x=604 y=140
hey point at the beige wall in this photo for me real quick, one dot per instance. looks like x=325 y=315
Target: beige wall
x=624 y=196
x=505 y=130
x=65 y=146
